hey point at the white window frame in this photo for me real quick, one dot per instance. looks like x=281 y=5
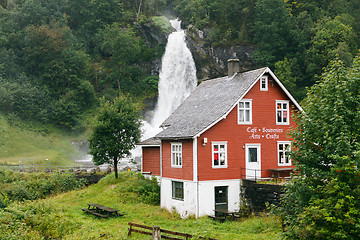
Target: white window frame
x=282 y=111
x=266 y=79
x=213 y=152
x=244 y=101
x=176 y=155
x=284 y=151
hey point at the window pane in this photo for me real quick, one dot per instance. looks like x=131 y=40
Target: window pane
x=247 y=105
x=222 y=158
x=241 y=105
x=252 y=154
x=281 y=157
x=285 y=115
x=216 y=155
x=241 y=116
x=247 y=115
x=279 y=116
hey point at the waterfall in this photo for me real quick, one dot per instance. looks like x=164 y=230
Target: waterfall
x=177 y=79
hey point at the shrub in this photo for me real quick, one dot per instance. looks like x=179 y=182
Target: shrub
x=21 y=187
x=149 y=191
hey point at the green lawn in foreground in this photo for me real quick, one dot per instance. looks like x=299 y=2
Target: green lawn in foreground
x=61 y=217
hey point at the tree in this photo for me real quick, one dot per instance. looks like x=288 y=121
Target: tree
x=323 y=199
x=332 y=36
x=275 y=33
x=116 y=132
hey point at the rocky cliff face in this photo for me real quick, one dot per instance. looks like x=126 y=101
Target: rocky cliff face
x=211 y=62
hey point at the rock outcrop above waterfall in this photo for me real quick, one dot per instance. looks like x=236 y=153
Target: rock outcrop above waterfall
x=211 y=61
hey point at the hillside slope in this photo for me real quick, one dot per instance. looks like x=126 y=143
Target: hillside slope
x=18 y=145
x=61 y=216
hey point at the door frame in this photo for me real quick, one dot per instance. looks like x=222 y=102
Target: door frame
x=251 y=173
x=222 y=205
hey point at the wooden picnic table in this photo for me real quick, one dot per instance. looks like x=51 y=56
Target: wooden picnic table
x=101 y=211
x=276 y=171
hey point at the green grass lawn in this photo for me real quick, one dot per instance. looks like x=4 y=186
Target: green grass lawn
x=18 y=145
x=61 y=217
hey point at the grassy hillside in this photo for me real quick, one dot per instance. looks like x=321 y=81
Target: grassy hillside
x=60 y=217
x=21 y=146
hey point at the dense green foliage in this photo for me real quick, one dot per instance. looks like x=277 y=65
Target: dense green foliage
x=323 y=199
x=115 y=132
x=60 y=217
x=20 y=187
x=307 y=34
x=56 y=56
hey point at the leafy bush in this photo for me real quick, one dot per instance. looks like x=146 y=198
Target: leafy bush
x=21 y=187
x=149 y=190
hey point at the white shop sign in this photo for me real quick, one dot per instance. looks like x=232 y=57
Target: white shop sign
x=264 y=133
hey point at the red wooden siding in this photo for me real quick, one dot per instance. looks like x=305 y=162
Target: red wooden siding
x=151 y=160
x=236 y=136
x=186 y=171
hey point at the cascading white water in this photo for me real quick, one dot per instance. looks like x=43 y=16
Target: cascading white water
x=177 y=81
x=177 y=78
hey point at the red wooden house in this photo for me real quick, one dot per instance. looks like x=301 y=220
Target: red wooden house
x=229 y=128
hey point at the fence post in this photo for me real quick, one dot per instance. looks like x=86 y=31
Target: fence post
x=130 y=229
x=156 y=234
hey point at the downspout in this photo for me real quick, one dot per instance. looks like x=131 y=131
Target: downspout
x=195 y=174
x=142 y=160
x=160 y=172
x=161 y=160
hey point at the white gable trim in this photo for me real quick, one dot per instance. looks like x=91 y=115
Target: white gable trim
x=266 y=70
x=292 y=99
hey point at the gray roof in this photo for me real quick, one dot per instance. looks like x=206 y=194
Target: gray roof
x=208 y=103
x=154 y=141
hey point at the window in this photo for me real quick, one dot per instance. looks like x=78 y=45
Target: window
x=282 y=112
x=264 y=83
x=178 y=190
x=284 y=153
x=244 y=112
x=219 y=155
x=176 y=155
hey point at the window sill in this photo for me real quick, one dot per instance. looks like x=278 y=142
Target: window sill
x=176 y=166
x=244 y=123
x=282 y=123
x=216 y=167
x=178 y=199
x=284 y=165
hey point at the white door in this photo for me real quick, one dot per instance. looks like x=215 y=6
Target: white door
x=253 y=161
